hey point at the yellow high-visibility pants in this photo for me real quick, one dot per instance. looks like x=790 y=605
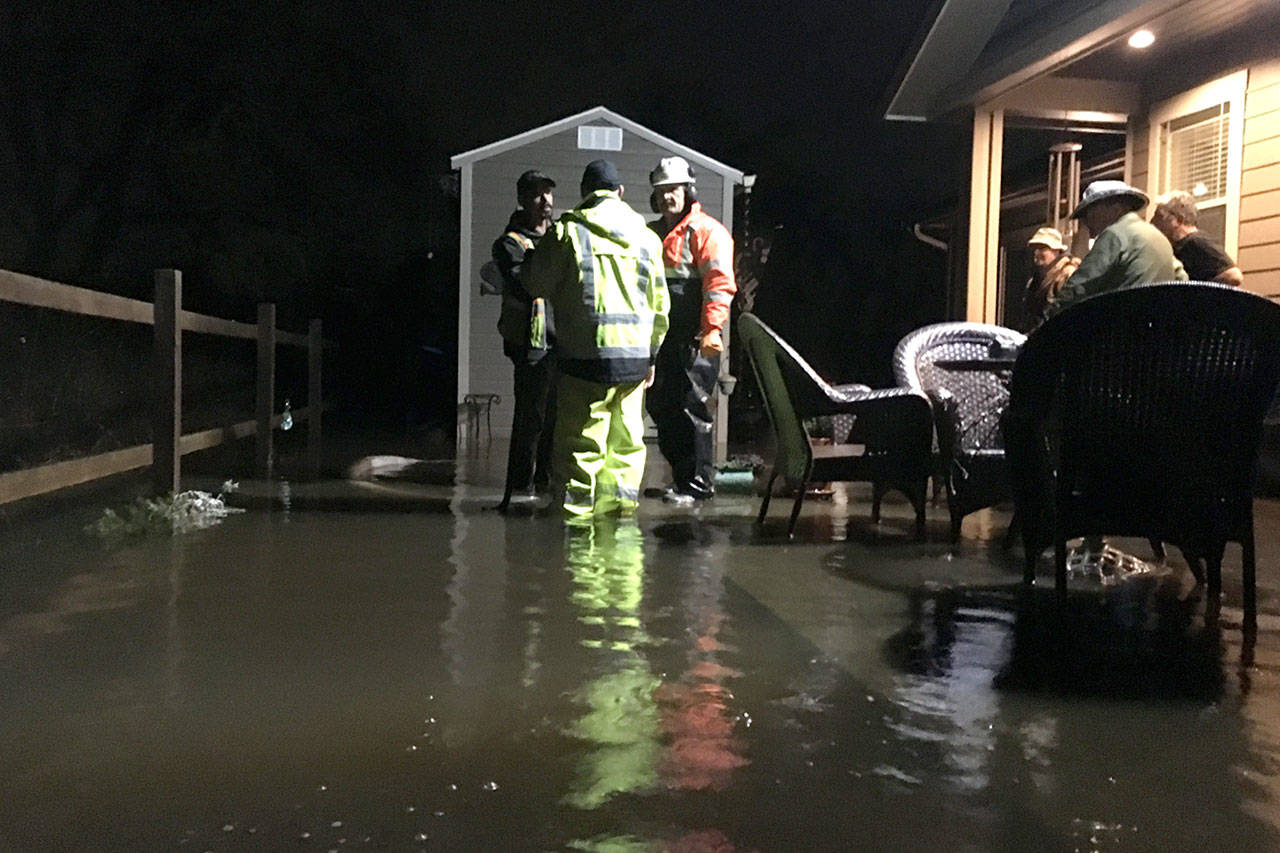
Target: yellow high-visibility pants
x=599 y=445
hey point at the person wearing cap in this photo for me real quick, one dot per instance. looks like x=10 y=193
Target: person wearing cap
x=697 y=252
x=1176 y=217
x=600 y=267
x=522 y=324
x=1127 y=250
x=1051 y=266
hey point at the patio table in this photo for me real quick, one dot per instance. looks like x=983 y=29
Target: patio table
x=990 y=364
x=999 y=360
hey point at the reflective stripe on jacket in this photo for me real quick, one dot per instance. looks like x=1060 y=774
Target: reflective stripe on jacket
x=600 y=270
x=698 y=252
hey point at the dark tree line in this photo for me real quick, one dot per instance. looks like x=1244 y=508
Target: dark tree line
x=267 y=150
x=298 y=153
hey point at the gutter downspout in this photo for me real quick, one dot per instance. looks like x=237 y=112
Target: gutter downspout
x=927 y=240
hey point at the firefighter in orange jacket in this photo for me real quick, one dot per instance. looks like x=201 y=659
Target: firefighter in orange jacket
x=697 y=253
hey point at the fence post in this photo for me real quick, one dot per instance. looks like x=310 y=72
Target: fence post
x=315 y=404
x=266 y=393
x=166 y=427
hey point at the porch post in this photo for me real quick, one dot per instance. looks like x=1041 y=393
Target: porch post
x=983 y=279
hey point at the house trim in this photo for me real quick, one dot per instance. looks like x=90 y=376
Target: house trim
x=464 y=286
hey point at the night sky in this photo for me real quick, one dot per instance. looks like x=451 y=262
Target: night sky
x=298 y=152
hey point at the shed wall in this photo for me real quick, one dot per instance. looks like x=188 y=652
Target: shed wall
x=493 y=200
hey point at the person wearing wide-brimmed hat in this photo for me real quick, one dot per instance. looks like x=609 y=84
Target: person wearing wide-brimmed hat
x=1051 y=266
x=1127 y=250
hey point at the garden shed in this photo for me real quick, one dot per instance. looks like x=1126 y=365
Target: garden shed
x=560 y=149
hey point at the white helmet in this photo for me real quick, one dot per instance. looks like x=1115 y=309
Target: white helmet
x=671 y=170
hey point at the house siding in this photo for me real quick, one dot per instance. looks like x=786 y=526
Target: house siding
x=1138 y=147
x=1259 y=253
x=493 y=194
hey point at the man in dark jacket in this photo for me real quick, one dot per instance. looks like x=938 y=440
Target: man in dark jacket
x=522 y=324
x=1176 y=217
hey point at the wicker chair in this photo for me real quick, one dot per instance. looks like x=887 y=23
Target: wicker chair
x=1139 y=412
x=966 y=408
x=888 y=445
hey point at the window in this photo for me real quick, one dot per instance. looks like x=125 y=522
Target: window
x=1196 y=146
x=1195 y=150
x=595 y=137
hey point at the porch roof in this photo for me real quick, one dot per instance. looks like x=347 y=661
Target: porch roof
x=975 y=51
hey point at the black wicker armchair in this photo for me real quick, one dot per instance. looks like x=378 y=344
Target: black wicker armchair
x=945 y=361
x=888 y=445
x=1139 y=413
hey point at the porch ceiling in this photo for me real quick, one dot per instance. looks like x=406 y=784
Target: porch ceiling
x=974 y=51
x=1193 y=29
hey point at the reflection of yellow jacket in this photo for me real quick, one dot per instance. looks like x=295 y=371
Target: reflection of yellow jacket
x=601 y=269
x=619 y=722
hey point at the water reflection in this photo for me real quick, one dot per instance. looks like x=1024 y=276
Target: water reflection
x=619 y=717
x=464 y=681
x=1102 y=711
x=476 y=590
x=698 y=719
x=655 y=713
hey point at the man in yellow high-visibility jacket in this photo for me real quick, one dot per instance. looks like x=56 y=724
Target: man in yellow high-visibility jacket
x=600 y=267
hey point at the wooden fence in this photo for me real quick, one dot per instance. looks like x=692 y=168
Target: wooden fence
x=169 y=445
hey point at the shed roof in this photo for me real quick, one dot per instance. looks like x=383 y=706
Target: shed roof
x=593 y=114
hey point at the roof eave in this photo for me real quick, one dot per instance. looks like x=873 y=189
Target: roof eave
x=593 y=114
x=941 y=77
x=953 y=40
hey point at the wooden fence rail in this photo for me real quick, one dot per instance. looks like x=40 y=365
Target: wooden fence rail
x=168 y=444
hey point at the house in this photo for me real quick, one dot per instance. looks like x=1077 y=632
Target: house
x=1192 y=87
x=560 y=149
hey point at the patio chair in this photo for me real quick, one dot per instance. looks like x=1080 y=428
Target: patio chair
x=887 y=446
x=967 y=403
x=1139 y=412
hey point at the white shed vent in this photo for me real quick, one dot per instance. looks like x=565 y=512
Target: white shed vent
x=594 y=137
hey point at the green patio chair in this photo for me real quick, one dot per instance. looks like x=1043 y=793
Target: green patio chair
x=888 y=446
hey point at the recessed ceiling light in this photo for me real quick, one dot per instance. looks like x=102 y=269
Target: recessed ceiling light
x=1142 y=39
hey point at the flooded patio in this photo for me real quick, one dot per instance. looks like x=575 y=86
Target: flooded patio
x=392 y=666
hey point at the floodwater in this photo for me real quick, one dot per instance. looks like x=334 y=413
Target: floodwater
x=449 y=679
